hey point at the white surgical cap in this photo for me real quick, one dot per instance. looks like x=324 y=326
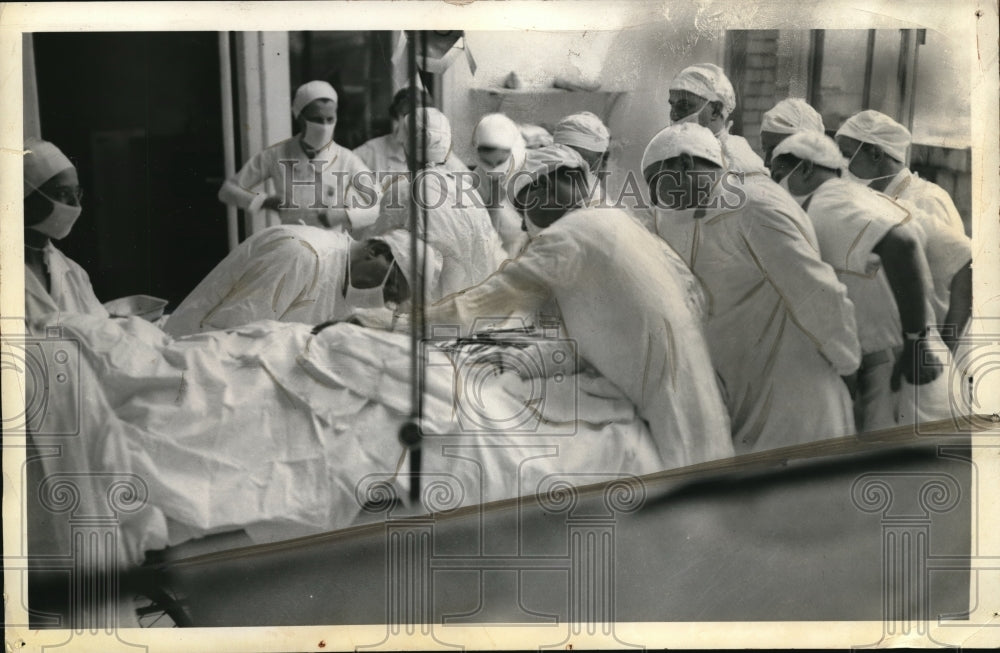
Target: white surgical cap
x=812 y=146
x=435 y=124
x=535 y=136
x=878 y=129
x=542 y=161
x=398 y=241
x=42 y=161
x=706 y=80
x=685 y=138
x=790 y=116
x=314 y=90
x=497 y=130
x=583 y=130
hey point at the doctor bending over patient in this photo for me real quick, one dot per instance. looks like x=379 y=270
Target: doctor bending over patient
x=53 y=283
x=619 y=303
x=295 y=273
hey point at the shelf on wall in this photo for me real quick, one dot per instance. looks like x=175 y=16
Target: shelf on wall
x=496 y=99
x=545 y=90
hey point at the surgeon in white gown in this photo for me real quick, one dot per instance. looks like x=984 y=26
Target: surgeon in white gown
x=702 y=94
x=780 y=327
x=295 y=273
x=875 y=147
x=875 y=247
x=627 y=314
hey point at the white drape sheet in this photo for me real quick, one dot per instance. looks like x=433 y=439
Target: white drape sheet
x=270 y=428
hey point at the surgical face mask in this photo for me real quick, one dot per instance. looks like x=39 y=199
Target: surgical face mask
x=501 y=170
x=800 y=199
x=693 y=116
x=366 y=297
x=60 y=220
x=784 y=180
x=850 y=176
x=318 y=135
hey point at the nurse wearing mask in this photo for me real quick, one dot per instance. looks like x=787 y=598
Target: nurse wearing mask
x=875 y=147
x=874 y=246
x=293 y=167
x=703 y=94
x=53 y=283
x=295 y=273
x=626 y=313
x=787 y=117
x=385 y=154
x=780 y=327
x=500 y=153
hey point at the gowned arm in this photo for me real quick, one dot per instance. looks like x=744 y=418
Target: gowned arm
x=815 y=299
x=900 y=252
x=238 y=190
x=959 y=306
x=510 y=292
x=902 y=259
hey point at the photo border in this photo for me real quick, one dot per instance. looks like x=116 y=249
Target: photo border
x=708 y=19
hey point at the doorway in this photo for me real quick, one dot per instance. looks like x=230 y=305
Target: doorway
x=140 y=116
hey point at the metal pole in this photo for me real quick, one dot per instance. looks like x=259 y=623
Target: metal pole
x=409 y=434
x=866 y=92
x=228 y=136
x=814 y=93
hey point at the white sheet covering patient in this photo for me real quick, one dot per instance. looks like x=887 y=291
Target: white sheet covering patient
x=271 y=428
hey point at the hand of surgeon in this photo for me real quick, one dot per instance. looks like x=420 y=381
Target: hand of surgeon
x=915 y=364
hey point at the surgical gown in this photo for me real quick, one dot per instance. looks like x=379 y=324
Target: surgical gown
x=739 y=156
x=288 y=273
x=69 y=288
x=628 y=317
x=928 y=196
x=850 y=221
x=947 y=247
x=780 y=326
x=457 y=227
